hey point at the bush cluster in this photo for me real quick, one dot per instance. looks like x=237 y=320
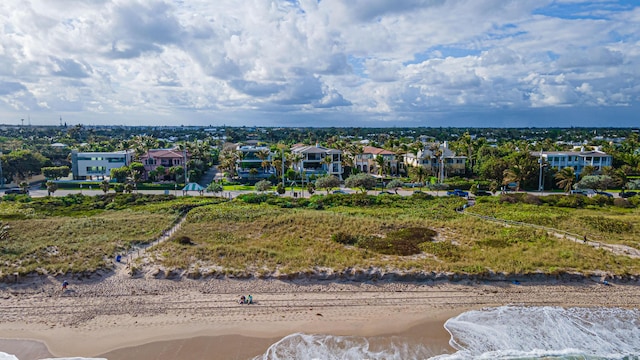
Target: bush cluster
x=401 y=242
x=320 y=201
x=569 y=201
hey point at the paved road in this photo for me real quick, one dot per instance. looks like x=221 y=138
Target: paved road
x=37 y=192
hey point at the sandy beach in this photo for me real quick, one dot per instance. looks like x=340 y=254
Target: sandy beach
x=145 y=318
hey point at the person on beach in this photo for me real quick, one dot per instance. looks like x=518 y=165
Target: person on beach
x=249 y=299
x=64 y=285
x=242 y=299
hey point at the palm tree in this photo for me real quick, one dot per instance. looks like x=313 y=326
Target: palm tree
x=357 y=151
x=419 y=174
x=566 y=177
x=104 y=186
x=296 y=159
x=515 y=173
x=588 y=170
x=328 y=160
x=380 y=162
x=264 y=156
x=436 y=152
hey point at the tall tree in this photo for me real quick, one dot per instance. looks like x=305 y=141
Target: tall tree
x=264 y=156
x=565 y=178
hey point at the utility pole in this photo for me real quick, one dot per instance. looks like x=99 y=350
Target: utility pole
x=540 y=185
x=1 y=176
x=282 y=167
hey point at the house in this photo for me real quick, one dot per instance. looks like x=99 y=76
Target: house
x=438 y=159
x=166 y=158
x=312 y=160
x=575 y=159
x=250 y=158
x=367 y=161
x=98 y=165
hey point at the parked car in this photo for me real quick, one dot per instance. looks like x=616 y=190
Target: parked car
x=483 y=193
x=585 y=192
x=604 y=193
x=386 y=192
x=339 y=192
x=16 y=191
x=628 y=194
x=457 y=192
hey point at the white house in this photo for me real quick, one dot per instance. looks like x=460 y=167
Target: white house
x=98 y=165
x=313 y=160
x=448 y=163
x=575 y=159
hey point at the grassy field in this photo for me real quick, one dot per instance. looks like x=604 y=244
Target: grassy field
x=269 y=235
x=237 y=238
x=81 y=233
x=607 y=224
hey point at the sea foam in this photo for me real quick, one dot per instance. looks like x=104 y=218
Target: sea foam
x=507 y=333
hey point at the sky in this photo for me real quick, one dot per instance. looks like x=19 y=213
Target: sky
x=415 y=63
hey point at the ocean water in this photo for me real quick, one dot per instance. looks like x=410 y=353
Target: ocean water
x=5 y=356
x=504 y=333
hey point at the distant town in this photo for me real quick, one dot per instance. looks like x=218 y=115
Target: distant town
x=475 y=160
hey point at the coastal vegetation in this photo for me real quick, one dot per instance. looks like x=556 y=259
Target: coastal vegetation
x=78 y=234
x=266 y=235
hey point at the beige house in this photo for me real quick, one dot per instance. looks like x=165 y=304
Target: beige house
x=367 y=161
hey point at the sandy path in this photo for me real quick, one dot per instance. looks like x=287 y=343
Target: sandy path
x=123 y=268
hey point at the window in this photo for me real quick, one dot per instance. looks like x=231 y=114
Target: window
x=96 y=169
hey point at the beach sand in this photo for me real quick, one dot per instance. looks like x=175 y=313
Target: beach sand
x=137 y=318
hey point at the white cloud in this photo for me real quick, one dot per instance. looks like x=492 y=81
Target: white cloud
x=362 y=58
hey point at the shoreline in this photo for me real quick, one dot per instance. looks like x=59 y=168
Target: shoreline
x=117 y=316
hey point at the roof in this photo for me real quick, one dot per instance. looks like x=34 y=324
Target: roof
x=307 y=149
x=376 y=151
x=571 y=153
x=163 y=153
x=193 y=187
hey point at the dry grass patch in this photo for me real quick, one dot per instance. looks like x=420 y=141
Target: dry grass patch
x=60 y=244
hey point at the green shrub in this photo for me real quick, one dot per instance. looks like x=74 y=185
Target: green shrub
x=184 y=240
x=607 y=225
x=344 y=238
x=401 y=242
x=572 y=201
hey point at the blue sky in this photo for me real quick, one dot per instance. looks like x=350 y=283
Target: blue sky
x=467 y=63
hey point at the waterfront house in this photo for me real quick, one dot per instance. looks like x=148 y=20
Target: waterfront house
x=98 y=165
x=313 y=160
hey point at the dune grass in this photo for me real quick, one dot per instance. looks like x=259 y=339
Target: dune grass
x=607 y=224
x=238 y=238
x=272 y=235
x=80 y=233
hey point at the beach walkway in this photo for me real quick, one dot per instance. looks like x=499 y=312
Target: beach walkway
x=617 y=249
x=124 y=265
